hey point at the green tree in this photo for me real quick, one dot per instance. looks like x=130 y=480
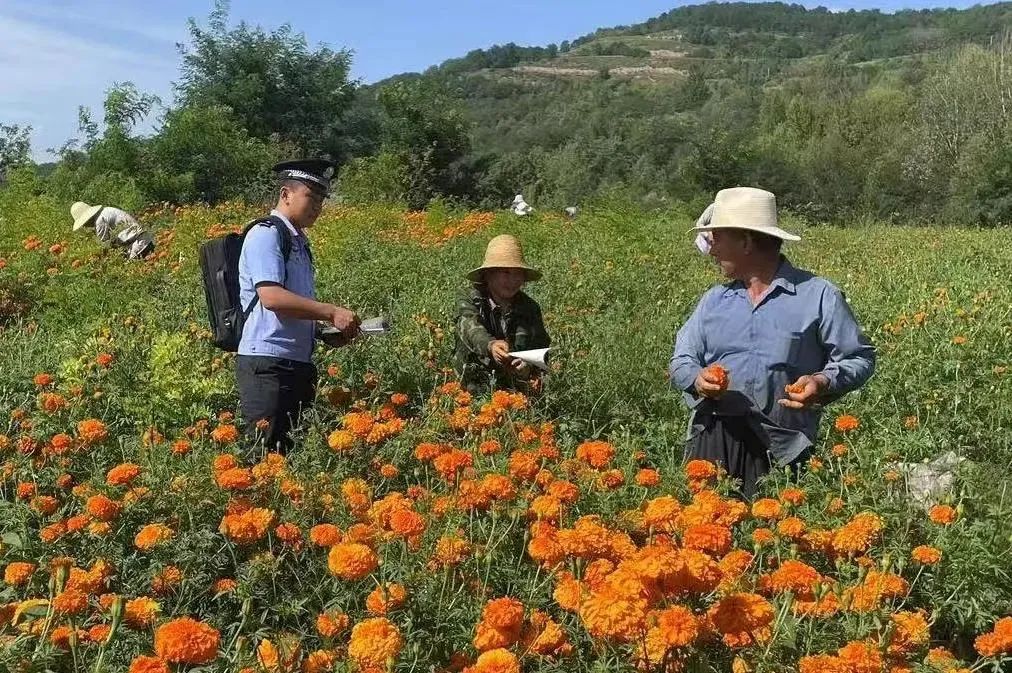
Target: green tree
x=273 y=82
x=15 y=147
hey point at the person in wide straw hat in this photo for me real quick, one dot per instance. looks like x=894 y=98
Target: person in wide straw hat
x=114 y=228
x=496 y=317
x=762 y=353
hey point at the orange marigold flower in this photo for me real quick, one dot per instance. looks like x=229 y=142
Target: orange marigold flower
x=766 y=508
x=102 y=508
x=496 y=661
x=152 y=535
x=742 y=619
x=146 y=664
x=234 y=479
x=399 y=399
x=224 y=585
x=19 y=573
x=791 y=527
x=489 y=447
x=846 y=423
x=839 y=450
x=53 y=532
x=52 y=402
x=676 y=626
x=504 y=614
x=384 y=599
x=325 y=535
x=187 y=641
x=140 y=613
x=910 y=633
x=697 y=470
x=451 y=463
x=340 y=440
x=247 y=527
x=181 y=447
x=104 y=359
x=330 y=624
x=166 y=580
x=822 y=663
x=661 y=514
x=60 y=444
x=352 y=561
x=45 y=505
x=792 y=496
x=122 y=474
x=389 y=471
x=319 y=661
x=290 y=534
x=407 y=523
x=719 y=375
x=926 y=555
x=596 y=453
x=70 y=602
x=648 y=477
x=858 y=534
x=374 y=643
x=619 y=618
x=998 y=641
x=862 y=657
x=42 y=379
x=92 y=431
x=708 y=537
x=794 y=576
x=225 y=433
x=942 y=514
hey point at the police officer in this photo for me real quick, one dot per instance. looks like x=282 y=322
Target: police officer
x=274 y=369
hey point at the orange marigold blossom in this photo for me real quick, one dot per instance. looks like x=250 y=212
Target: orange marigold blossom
x=741 y=619
x=92 y=431
x=719 y=375
x=330 y=624
x=248 y=526
x=846 y=423
x=140 y=613
x=498 y=660
x=152 y=535
x=597 y=454
x=926 y=555
x=187 y=641
x=374 y=642
x=910 y=633
x=224 y=585
x=18 y=573
x=648 y=477
x=102 y=508
x=234 y=479
x=766 y=508
x=858 y=534
x=942 y=514
x=386 y=598
x=226 y=433
x=70 y=602
x=996 y=642
x=146 y=664
x=862 y=656
x=698 y=469
x=166 y=580
x=325 y=535
x=351 y=560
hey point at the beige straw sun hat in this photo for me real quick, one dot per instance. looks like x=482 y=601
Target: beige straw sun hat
x=83 y=213
x=745 y=208
x=504 y=252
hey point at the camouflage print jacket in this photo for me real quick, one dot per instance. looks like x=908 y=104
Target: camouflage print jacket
x=479 y=322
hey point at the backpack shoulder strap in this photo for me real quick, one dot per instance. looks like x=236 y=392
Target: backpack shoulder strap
x=284 y=236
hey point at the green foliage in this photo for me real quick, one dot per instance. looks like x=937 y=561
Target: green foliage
x=382 y=178
x=273 y=82
x=15 y=147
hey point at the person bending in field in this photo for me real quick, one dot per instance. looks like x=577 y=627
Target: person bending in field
x=274 y=369
x=114 y=228
x=763 y=352
x=494 y=318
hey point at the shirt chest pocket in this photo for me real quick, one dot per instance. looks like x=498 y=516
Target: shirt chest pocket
x=785 y=350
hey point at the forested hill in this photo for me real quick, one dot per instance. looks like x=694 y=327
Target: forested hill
x=843 y=113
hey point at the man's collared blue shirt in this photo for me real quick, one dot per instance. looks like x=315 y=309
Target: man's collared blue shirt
x=802 y=325
x=261 y=261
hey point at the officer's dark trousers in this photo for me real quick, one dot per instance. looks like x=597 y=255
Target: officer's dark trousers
x=275 y=390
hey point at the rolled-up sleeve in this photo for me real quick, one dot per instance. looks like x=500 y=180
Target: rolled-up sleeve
x=850 y=355
x=261 y=256
x=690 y=348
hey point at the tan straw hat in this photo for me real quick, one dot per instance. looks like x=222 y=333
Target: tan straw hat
x=504 y=252
x=83 y=213
x=745 y=208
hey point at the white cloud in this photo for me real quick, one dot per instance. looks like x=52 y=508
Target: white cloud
x=50 y=70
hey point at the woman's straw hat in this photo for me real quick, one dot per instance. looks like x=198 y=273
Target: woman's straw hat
x=83 y=213
x=745 y=208
x=504 y=252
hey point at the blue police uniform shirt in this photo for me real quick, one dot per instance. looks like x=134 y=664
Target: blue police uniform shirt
x=265 y=332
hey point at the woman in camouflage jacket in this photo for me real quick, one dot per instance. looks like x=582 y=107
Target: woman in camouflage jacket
x=495 y=317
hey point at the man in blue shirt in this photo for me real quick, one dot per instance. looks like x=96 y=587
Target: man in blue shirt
x=274 y=369
x=786 y=337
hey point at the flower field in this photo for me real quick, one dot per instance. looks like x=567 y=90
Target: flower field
x=419 y=529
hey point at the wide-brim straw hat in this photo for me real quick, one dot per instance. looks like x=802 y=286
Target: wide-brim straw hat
x=745 y=208
x=83 y=213
x=504 y=252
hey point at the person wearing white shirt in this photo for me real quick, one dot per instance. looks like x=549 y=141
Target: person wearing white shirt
x=114 y=228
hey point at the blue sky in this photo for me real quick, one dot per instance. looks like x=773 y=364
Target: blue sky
x=58 y=54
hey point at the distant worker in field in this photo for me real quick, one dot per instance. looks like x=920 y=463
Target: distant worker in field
x=521 y=207
x=114 y=228
x=274 y=365
x=762 y=353
x=496 y=317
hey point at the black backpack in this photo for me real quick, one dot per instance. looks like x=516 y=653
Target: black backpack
x=219 y=270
